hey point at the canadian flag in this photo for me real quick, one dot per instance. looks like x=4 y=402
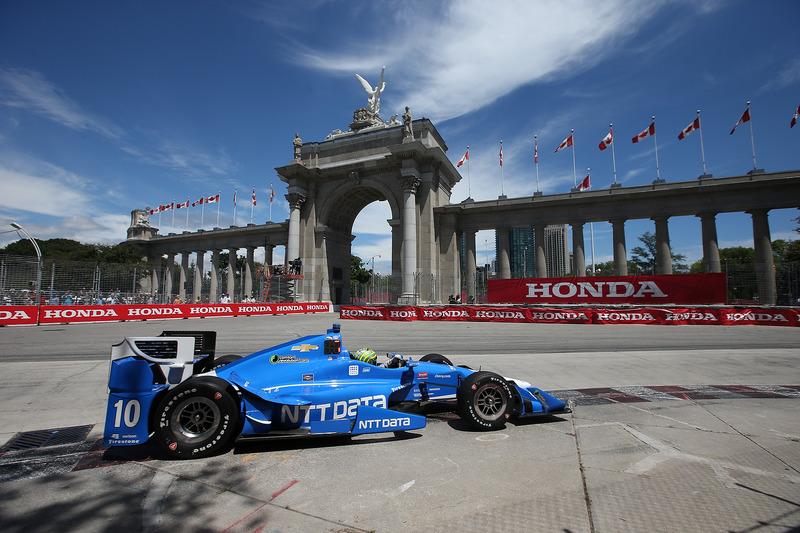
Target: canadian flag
x=794 y=118
x=535 y=150
x=501 y=153
x=199 y=202
x=156 y=210
x=646 y=133
x=695 y=125
x=585 y=183
x=254 y=195
x=212 y=199
x=465 y=158
x=271 y=193
x=567 y=142
x=181 y=206
x=168 y=207
x=744 y=118
x=606 y=142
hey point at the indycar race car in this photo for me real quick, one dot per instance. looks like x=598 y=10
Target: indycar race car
x=172 y=389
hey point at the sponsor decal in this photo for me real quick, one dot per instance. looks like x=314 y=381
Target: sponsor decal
x=173 y=446
x=211 y=310
x=217 y=395
x=305 y=347
x=154 y=311
x=433 y=312
x=287 y=359
x=500 y=314
x=328 y=411
x=422 y=375
x=358 y=312
x=308 y=377
x=352 y=370
x=79 y=313
x=586 y=289
x=14 y=315
x=385 y=423
x=402 y=313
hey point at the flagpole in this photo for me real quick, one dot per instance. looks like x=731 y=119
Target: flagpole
x=469 y=178
x=536 y=159
x=218 y=193
x=702 y=148
x=752 y=139
x=613 y=153
x=203 y=213
x=574 y=169
x=655 y=140
x=502 y=191
x=591 y=231
x=270 y=202
x=187 y=213
x=252 y=205
x=159 y=215
x=173 y=213
x=235 y=190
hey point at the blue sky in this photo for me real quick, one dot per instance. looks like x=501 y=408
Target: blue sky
x=110 y=106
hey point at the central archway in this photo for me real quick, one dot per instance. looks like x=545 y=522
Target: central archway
x=331 y=182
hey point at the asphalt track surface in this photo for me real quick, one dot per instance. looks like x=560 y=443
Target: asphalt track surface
x=674 y=428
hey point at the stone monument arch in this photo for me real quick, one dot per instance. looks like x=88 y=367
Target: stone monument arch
x=334 y=180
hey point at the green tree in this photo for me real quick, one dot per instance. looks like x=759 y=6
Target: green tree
x=643 y=258
x=358 y=272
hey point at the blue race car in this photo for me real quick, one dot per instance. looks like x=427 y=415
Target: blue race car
x=172 y=389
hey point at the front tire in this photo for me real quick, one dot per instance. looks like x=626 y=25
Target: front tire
x=484 y=400
x=197 y=418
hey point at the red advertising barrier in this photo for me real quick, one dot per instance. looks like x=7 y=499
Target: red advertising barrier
x=637 y=290
x=720 y=316
x=65 y=314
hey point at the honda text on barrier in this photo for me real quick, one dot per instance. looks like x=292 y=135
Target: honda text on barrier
x=173 y=389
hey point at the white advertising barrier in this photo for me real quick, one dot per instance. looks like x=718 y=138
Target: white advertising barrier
x=67 y=314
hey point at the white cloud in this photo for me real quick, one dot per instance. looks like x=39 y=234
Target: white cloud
x=470 y=53
x=28 y=89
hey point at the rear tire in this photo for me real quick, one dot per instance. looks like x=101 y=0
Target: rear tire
x=484 y=400
x=197 y=418
x=436 y=358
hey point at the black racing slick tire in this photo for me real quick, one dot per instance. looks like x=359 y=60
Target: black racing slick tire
x=197 y=418
x=436 y=358
x=202 y=367
x=484 y=400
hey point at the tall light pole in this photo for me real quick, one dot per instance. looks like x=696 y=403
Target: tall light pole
x=38 y=268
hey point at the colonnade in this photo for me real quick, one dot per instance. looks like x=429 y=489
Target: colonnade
x=167 y=275
x=762 y=245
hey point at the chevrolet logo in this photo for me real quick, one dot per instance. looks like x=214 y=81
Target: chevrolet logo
x=304 y=348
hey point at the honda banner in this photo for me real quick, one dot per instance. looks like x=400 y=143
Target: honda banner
x=709 y=316
x=61 y=314
x=638 y=290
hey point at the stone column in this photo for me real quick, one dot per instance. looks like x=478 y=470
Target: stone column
x=168 y=280
x=411 y=182
x=182 y=273
x=268 y=251
x=198 y=276
x=213 y=292
x=155 y=276
x=620 y=252
x=231 y=288
x=470 y=271
x=249 y=270
x=765 y=263
x=296 y=202
x=578 y=254
x=539 y=258
x=711 y=262
x=503 y=251
x=663 y=253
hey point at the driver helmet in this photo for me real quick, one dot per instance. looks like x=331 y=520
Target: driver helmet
x=365 y=355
